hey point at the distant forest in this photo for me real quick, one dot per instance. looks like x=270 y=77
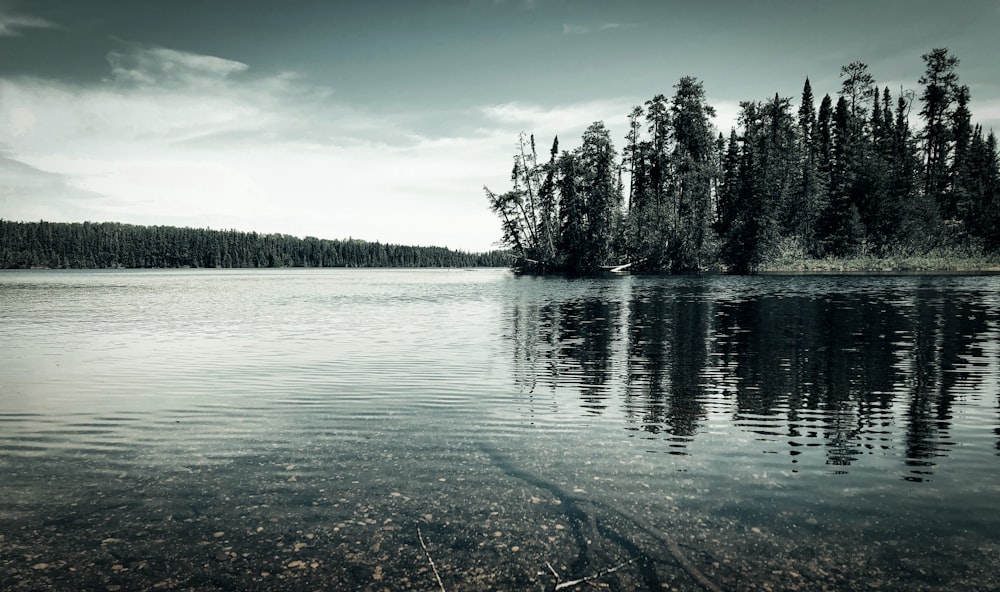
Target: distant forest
x=89 y=245
x=851 y=178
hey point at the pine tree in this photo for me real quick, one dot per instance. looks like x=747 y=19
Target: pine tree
x=940 y=82
x=989 y=194
x=981 y=184
x=694 y=171
x=870 y=193
x=729 y=188
x=879 y=206
x=766 y=179
x=824 y=171
x=913 y=213
x=841 y=224
x=856 y=88
x=962 y=172
x=572 y=217
x=631 y=153
x=651 y=214
x=601 y=190
x=807 y=202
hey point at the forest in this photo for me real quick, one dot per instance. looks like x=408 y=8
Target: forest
x=87 y=245
x=851 y=178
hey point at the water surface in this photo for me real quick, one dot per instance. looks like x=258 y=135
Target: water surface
x=289 y=429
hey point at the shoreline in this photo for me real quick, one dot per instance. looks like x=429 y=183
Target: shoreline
x=886 y=265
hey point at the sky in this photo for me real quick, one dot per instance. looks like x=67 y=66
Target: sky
x=383 y=120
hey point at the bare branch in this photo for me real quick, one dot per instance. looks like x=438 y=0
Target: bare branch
x=593 y=578
x=430 y=560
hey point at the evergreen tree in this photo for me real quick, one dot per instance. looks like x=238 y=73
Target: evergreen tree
x=601 y=190
x=767 y=179
x=841 y=224
x=962 y=172
x=633 y=161
x=870 y=191
x=729 y=188
x=824 y=171
x=989 y=193
x=876 y=124
x=654 y=220
x=912 y=213
x=631 y=156
x=981 y=186
x=641 y=228
x=808 y=200
x=572 y=217
x=878 y=206
x=940 y=82
x=856 y=88
x=694 y=171
x=648 y=213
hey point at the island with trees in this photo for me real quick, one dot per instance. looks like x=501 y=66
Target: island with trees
x=850 y=184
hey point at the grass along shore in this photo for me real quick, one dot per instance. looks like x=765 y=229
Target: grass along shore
x=951 y=260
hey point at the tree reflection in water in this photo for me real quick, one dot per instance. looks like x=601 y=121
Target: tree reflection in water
x=798 y=363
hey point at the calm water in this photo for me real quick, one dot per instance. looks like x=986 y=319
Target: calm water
x=304 y=429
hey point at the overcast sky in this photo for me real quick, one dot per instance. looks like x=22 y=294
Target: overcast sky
x=383 y=120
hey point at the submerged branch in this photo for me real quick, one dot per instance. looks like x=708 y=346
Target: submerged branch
x=430 y=560
x=593 y=578
x=572 y=506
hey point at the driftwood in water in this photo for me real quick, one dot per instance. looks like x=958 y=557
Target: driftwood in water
x=573 y=508
x=429 y=559
x=621 y=267
x=559 y=585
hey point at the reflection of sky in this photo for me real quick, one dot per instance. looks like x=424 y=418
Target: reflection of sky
x=382 y=120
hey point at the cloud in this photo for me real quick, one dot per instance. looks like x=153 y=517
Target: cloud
x=154 y=96
x=519 y=4
x=168 y=67
x=613 y=26
x=40 y=114
x=987 y=114
x=562 y=119
x=11 y=24
x=726 y=116
x=27 y=193
x=22 y=121
x=571 y=29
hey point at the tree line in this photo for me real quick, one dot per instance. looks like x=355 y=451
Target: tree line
x=114 y=245
x=849 y=178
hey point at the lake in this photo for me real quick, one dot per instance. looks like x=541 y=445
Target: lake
x=477 y=430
